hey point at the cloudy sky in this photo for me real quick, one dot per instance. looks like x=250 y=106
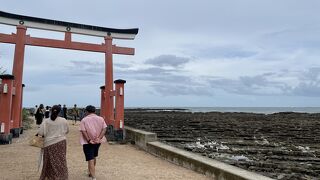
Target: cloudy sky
x=188 y=53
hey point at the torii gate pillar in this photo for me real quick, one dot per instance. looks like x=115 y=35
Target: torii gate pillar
x=109 y=92
x=17 y=71
x=119 y=116
x=115 y=129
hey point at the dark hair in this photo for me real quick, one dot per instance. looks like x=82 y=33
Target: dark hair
x=55 y=110
x=90 y=109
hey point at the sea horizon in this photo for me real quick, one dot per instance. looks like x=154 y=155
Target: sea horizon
x=264 y=110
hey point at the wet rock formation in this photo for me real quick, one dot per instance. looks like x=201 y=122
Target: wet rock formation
x=282 y=145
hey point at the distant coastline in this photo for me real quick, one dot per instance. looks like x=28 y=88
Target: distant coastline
x=257 y=110
x=262 y=110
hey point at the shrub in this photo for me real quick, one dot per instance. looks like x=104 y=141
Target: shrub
x=26 y=120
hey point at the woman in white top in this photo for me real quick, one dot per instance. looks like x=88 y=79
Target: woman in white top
x=54 y=130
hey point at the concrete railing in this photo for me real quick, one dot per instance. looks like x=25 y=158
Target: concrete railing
x=139 y=137
x=212 y=168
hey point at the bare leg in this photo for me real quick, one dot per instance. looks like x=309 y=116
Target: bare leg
x=91 y=168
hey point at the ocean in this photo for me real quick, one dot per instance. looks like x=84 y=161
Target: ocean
x=264 y=110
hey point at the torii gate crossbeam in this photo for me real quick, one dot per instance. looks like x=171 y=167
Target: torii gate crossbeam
x=66 y=44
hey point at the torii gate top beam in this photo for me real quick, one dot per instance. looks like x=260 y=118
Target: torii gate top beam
x=62 y=26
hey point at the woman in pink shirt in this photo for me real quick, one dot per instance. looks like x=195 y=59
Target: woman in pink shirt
x=93 y=129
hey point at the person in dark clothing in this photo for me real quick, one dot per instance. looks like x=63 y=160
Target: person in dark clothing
x=64 y=109
x=39 y=114
x=47 y=112
x=61 y=111
x=82 y=113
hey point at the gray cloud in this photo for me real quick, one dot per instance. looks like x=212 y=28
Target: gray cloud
x=85 y=71
x=163 y=80
x=312 y=74
x=292 y=39
x=87 y=67
x=82 y=74
x=32 y=88
x=181 y=89
x=166 y=82
x=116 y=65
x=269 y=84
x=311 y=89
x=154 y=71
x=168 y=60
x=251 y=85
x=229 y=52
x=174 y=82
x=309 y=83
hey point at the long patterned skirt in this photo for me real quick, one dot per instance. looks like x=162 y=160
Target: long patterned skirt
x=55 y=162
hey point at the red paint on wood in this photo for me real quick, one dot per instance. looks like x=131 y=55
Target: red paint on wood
x=5 y=104
x=109 y=104
x=67 y=37
x=119 y=116
x=17 y=72
x=122 y=50
x=102 y=104
x=6 y=38
x=53 y=43
x=21 y=107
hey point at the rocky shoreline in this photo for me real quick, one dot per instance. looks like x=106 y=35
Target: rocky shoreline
x=282 y=145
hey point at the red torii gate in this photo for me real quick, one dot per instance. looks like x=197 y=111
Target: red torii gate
x=11 y=102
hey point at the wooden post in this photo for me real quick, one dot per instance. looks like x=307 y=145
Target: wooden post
x=109 y=104
x=6 y=92
x=102 y=103
x=119 y=116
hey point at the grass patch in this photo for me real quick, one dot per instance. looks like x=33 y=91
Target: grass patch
x=26 y=120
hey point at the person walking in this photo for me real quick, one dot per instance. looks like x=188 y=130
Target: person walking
x=54 y=130
x=47 y=112
x=61 y=112
x=39 y=114
x=75 y=113
x=82 y=113
x=64 y=109
x=93 y=129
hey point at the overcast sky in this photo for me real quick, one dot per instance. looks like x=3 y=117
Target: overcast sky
x=188 y=53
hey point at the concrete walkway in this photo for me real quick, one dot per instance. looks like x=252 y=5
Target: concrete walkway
x=19 y=161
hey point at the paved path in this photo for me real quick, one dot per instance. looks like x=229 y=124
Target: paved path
x=19 y=161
